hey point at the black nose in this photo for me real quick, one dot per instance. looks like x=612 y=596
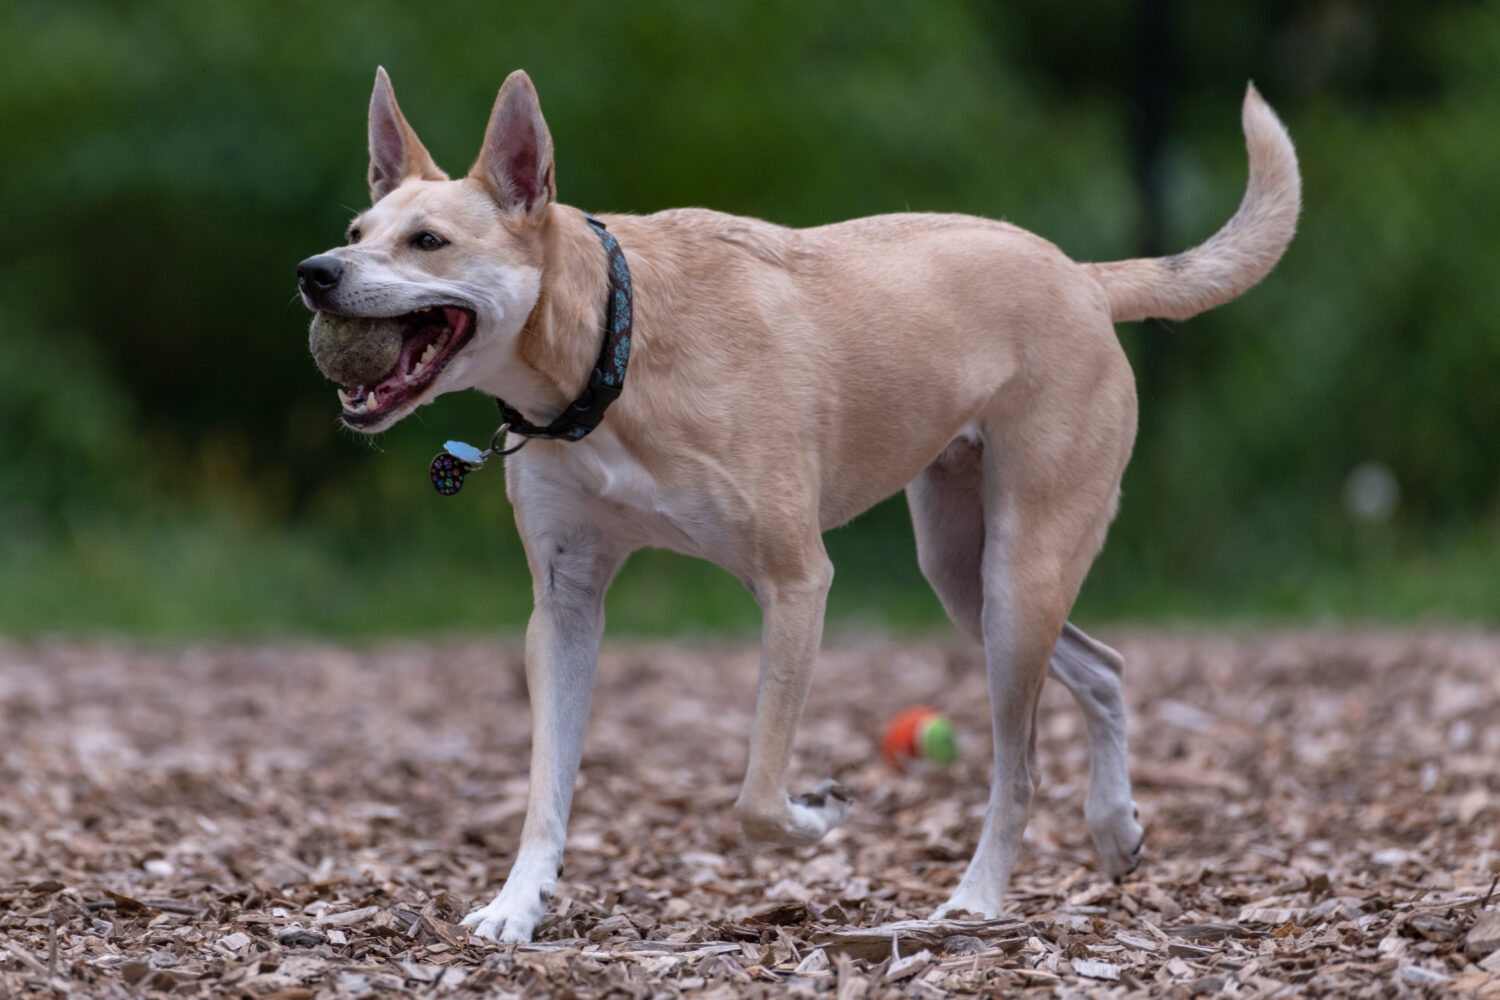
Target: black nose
x=320 y=273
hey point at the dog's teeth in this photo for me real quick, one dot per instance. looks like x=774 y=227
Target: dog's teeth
x=373 y=401
x=344 y=398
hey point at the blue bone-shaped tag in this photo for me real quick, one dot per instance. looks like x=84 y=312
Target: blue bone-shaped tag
x=465 y=453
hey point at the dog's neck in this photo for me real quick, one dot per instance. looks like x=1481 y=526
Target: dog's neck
x=560 y=339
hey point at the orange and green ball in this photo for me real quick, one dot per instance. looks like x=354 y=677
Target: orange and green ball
x=920 y=733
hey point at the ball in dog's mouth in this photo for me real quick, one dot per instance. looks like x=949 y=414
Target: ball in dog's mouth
x=354 y=350
x=386 y=361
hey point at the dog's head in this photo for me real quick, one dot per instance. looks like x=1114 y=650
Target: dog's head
x=438 y=276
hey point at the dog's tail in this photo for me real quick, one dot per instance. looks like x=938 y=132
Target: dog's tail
x=1234 y=258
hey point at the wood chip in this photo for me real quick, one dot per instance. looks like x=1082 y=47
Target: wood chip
x=1484 y=937
x=1096 y=970
x=348 y=918
x=905 y=968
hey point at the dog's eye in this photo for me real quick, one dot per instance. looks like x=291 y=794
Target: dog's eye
x=353 y=235
x=428 y=241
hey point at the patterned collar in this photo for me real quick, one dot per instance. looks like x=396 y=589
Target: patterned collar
x=607 y=379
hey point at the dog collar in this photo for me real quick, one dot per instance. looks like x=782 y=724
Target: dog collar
x=608 y=377
x=605 y=384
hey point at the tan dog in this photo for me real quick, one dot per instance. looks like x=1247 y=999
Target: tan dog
x=782 y=381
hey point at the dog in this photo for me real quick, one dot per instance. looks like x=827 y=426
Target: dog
x=781 y=381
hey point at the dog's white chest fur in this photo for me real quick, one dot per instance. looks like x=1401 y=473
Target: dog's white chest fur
x=620 y=494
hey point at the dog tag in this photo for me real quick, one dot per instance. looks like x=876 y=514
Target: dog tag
x=448 y=473
x=458 y=459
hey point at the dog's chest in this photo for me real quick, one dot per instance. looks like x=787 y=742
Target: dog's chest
x=600 y=481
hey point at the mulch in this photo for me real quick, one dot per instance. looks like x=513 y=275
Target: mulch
x=301 y=820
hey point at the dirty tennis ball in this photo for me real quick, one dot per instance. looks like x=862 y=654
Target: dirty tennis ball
x=353 y=350
x=919 y=733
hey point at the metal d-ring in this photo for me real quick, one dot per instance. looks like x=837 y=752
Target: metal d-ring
x=495 y=448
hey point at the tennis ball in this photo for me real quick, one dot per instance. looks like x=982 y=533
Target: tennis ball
x=353 y=350
x=919 y=733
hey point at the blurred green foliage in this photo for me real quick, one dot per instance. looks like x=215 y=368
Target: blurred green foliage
x=170 y=460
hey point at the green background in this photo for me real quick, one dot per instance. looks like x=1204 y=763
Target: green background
x=170 y=461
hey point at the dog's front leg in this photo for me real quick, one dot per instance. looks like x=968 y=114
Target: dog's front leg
x=571 y=573
x=791 y=632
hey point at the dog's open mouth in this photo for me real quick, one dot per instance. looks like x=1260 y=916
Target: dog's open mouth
x=430 y=338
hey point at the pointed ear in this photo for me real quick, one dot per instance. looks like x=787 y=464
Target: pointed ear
x=516 y=160
x=395 y=151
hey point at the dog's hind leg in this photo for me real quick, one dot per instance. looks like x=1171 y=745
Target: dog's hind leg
x=948 y=518
x=571 y=570
x=1091 y=671
x=1029 y=584
x=1054 y=451
x=792 y=602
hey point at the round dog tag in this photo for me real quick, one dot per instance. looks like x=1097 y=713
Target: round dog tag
x=448 y=473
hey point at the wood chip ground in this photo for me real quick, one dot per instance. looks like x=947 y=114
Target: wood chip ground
x=303 y=821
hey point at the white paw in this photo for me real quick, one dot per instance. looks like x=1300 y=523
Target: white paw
x=802 y=820
x=512 y=916
x=972 y=901
x=823 y=808
x=1118 y=836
